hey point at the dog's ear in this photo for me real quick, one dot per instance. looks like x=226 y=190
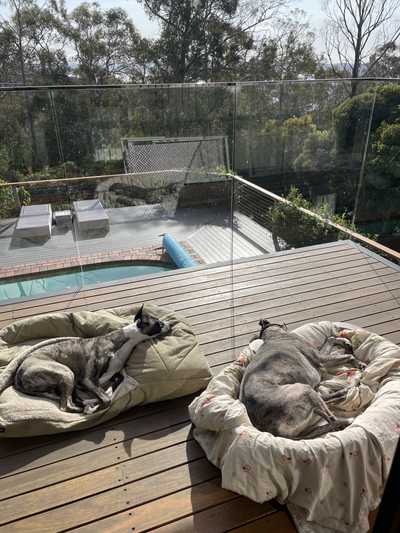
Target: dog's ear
x=264 y=323
x=139 y=314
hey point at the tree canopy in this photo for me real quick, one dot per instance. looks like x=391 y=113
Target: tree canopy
x=200 y=40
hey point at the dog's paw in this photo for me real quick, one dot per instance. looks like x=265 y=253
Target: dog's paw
x=347 y=333
x=355 y=336
x=91 y=408
x=72 y=408
x=242 y=359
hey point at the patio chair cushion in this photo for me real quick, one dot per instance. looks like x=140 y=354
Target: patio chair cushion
x=158 y=369
x=90 y=215
x=34 y=221
x=35 y=209
x=329 y=483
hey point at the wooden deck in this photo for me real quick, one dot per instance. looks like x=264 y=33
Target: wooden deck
x=143 y=471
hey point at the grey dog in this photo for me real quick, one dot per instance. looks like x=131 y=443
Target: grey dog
x=279 y=385
x=59 y=368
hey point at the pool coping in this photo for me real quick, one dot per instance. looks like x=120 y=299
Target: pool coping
x=154 y=254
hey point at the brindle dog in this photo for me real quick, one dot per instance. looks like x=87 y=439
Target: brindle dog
x=61 y=368
x=279 y=385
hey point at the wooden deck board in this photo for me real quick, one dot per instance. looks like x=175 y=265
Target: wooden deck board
x=143 y=470
x=201 y=291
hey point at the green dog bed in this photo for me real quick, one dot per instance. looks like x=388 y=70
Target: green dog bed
x=158 y=369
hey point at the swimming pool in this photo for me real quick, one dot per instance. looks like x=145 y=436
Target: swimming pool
x=74 y=279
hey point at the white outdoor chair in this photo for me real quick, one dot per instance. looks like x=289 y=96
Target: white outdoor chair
x=34 y=221
x=90 y=215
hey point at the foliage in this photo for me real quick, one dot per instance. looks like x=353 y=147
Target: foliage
x=294 y=132
x=103 y=42
x=11 y=199
x=288 y=53
x=385 y=157
x=317 y=151
x=31 y=47
x=207 y=39
x=297 y=228
x=351 y=118
x=385 y=61
x=298 y=144
x=379 y=183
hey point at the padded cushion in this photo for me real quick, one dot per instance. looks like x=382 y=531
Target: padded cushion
x=158 y=369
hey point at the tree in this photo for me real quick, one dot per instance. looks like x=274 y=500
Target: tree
x=141 y=59
x=206 y=39
x=378 y=187
x=103 y=41
x=31 y=46
x=31 y=53
x=389 y=64
x=287 y=52
x=10 y=197
x=356 y=29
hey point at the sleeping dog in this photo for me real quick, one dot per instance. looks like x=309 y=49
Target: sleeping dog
x=60 y=368
x=279 y=385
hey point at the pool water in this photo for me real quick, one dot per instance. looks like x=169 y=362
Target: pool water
x=74 y=279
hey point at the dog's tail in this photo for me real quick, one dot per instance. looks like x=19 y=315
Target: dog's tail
x=7 y=375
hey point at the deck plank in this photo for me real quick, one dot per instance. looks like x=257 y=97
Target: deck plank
x=275 y=523
x=190 y=299
x=98 y=481
x=117 y=500
x=178 y=277
x=221 y=518
x=204 y=273
x=143 y=470
x=186 y=291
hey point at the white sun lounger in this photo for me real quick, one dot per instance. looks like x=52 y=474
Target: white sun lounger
x=90 y=215
x=34 y=221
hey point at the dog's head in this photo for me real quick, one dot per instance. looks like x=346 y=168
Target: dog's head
x=150 y=326
x=269 y=328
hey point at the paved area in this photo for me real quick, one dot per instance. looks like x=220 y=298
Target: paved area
x=207 y=231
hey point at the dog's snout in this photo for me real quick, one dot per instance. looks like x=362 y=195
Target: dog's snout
x=165 y=327
x=160 y=328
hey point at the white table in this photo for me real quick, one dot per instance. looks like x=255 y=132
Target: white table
x=63 y=218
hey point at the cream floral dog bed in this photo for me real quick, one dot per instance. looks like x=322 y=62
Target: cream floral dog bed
x=329 y=483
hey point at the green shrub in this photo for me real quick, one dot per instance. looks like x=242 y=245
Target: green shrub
x=297 y=228
x=351 y=118
x=9 y=202
x=384 y=163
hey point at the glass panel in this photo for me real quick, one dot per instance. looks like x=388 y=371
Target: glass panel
x=305 y=141
x=121 y=167
x=377 y=202
x=285 y=139
x=157 y=197
x=313 y=144
x=32 y=239
x=29 y=136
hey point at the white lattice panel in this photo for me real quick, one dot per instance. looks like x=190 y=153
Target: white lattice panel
x=176 y=159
